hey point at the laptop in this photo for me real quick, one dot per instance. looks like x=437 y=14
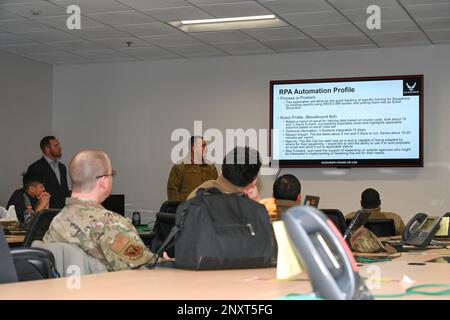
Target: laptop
x=7 y=267
x=312 y=201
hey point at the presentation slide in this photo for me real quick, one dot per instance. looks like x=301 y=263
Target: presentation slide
x=354 y=122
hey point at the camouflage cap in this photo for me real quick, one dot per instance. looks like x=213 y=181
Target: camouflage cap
x=363 y=240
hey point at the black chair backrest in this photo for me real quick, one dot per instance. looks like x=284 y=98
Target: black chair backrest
x=163 y=224
x=39 y=226
x=115 y=203
x=7 y=269
x=337 y=217
x=381 y=227
x=170 y=206
x=34 y=264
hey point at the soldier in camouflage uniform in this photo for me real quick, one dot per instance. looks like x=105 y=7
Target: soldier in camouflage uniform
x=190 y=173
x=103 y=234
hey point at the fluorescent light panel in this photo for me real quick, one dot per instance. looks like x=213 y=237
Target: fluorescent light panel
x=235 y=19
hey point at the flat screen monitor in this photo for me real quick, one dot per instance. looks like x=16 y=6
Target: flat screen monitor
x=347 y=122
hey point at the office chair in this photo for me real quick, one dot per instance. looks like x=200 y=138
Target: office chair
x=381 y=227
x=34 y=264
x=7 y=269
x=39 y=226
x=163 y=224
x=170 y=206
x=337 y=218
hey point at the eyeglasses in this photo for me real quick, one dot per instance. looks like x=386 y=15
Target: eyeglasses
x=112 y=174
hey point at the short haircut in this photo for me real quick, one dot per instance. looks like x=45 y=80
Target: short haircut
x=85 y=166
x=45 y=142
x=370 y=198
x=287 y=187
x=193 y=139
x=31 y=179
x=241 y=166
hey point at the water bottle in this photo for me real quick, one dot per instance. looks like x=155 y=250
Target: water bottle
x=28 y=216
x=136 y=219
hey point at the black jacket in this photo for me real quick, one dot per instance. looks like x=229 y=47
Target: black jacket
x=58 y=192
x=18 y=201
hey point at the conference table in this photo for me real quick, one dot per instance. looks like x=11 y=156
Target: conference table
x=391 y=277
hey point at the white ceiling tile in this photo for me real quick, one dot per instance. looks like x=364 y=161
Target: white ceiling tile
x=362 y=4
x=275 y=33
x=203 y=2
x=338 y=41
x=60 y=22
x=396 y=38
x=29 y=48
x=3 y=2
x=198 y=51
x=154 y=4
x=239 y=9
x=99 y=33
x=75 y=45
x=176 y=14
x=331 y=30
x=290 y=45
x=434 y=24
x=412 y=2
x=9 y=39
x=247 y=47
x=173 y=40
x=439 y=35
x=352 y=47
x=149 y=29
x=117 y=43
x=48 y=36
x=222 y=36
x=93 y=6
x=24 y=25
x=387 y=14
x=296 y=6
x=101 y=54
x=57 y=58
x=41 y=9
x=314 y=18
x=150 y=52
x=430 y=11
x=5 y=15
x=121 y=17
x=115 y=60
x=391 y=26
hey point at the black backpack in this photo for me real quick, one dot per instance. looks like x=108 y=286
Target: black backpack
x=34 y=264
x=221 y=231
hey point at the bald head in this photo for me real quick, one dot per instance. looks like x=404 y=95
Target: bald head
x=85 y=166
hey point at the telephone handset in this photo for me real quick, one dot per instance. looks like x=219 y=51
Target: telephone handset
x=324 y=254
x=420 y=230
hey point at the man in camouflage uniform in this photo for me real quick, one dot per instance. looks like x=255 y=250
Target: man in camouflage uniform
x=103 y=234
x=371 y=202
x=190 y=173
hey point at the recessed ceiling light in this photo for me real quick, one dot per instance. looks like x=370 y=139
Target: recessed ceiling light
x=234 y=19
x=219 y=24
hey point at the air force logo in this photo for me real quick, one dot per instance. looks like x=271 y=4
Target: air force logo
x=411 y=87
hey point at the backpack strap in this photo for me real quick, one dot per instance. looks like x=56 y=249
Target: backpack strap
x=170 y=240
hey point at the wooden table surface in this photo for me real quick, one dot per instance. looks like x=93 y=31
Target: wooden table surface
x=258 y=284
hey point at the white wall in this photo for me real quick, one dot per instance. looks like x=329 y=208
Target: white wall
x=131 y=109
x=26 y=112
